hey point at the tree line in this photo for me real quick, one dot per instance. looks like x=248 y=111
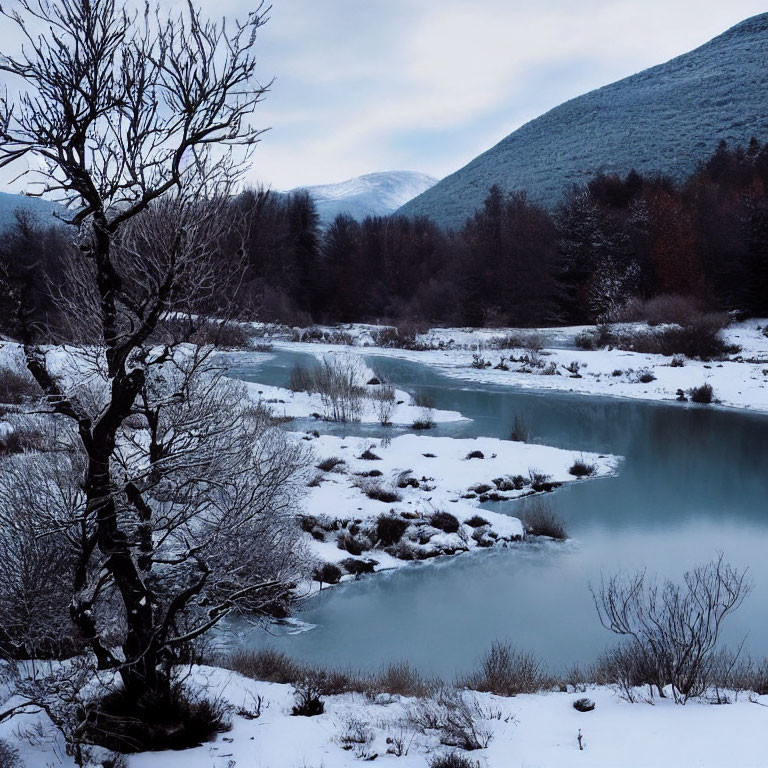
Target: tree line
x=513 y=263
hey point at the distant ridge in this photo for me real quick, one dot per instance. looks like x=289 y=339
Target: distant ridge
x=42 y=210
x=663 y=119
x=375 y=194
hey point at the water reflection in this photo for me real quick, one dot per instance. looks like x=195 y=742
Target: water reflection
x=694 y=482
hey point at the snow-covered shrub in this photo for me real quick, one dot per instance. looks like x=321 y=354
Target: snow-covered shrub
x=384 y=401
x=9 y=756
x=444 y=521
x=358 y=567
x=307 y=695
x=678 y=361
x=452 y=760
x=375 y=490
x=352 y=543
x=584 y=705
x=581 y=468
x=327 y=573
x=17 y=386
x=702 y=394
x=672 y=629
x=476 y=521
x=505 y=671
x=301 y=379
x=426 y=420
x=357 y=736
x=330 y=464
x=644 y=377
x=585 y=340
x=390 y=529
x=455 y=716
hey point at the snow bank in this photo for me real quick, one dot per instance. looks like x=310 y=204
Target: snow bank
x=741 y=381
x=528 y=730
x=298 y=405
x=413 y=477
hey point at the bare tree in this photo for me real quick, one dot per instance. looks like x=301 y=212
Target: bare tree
x=673 y=628
x=141 y=124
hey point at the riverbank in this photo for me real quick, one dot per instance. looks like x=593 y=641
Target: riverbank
x=739 y=380
x=381 y=503
x=542 y=729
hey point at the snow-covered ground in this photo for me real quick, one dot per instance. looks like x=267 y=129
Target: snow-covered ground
x=413 y=477
x=740 y=381
x=296 y=405
x=527 y=731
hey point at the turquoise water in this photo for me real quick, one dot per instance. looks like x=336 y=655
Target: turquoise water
x=694 y=482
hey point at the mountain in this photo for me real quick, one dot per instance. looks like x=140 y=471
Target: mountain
x=40 y=209
x=375 y=194
x=666 y=119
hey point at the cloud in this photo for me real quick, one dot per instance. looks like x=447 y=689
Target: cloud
x=366 y=85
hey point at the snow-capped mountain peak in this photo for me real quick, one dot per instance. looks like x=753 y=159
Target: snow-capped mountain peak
x=374 y=194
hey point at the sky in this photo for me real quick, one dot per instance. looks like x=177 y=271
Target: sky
x=427 y=85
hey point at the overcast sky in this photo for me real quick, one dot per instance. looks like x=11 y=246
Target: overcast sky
x=426 y=85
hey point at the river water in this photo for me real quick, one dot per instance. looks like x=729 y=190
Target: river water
x=694 y=482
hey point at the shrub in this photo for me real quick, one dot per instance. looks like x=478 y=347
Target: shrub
x=476 y=521
x=444 y=521
x=585 y=340
x=506 y=671
x=400 y=679
x=540 y=481
x=23 y=439
x=423 y=399
x=153 y=723
x=390 y=529
x=670 y=308
x=9 y=756
x=520 y=432
x=456 y=718
x=358 y=567
x=17 y=388
x=702 y=394
x=352 y=544
x=308 y=701
x=301 y=379
x=475 y=455
x=644 y=377
x=580 y=468
x=327 y=573
x=539 y=519
x=584 y=705
x=452 y=760
x=678 y=361
x=376 y=491
x=267 y=665
x=384 y=402
x=424 y=422
x=371 y=473
x=329 y=464
x=700 y=336
x=356 y=736
x=230 y=335
x=672 y=630
x=369 y=455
